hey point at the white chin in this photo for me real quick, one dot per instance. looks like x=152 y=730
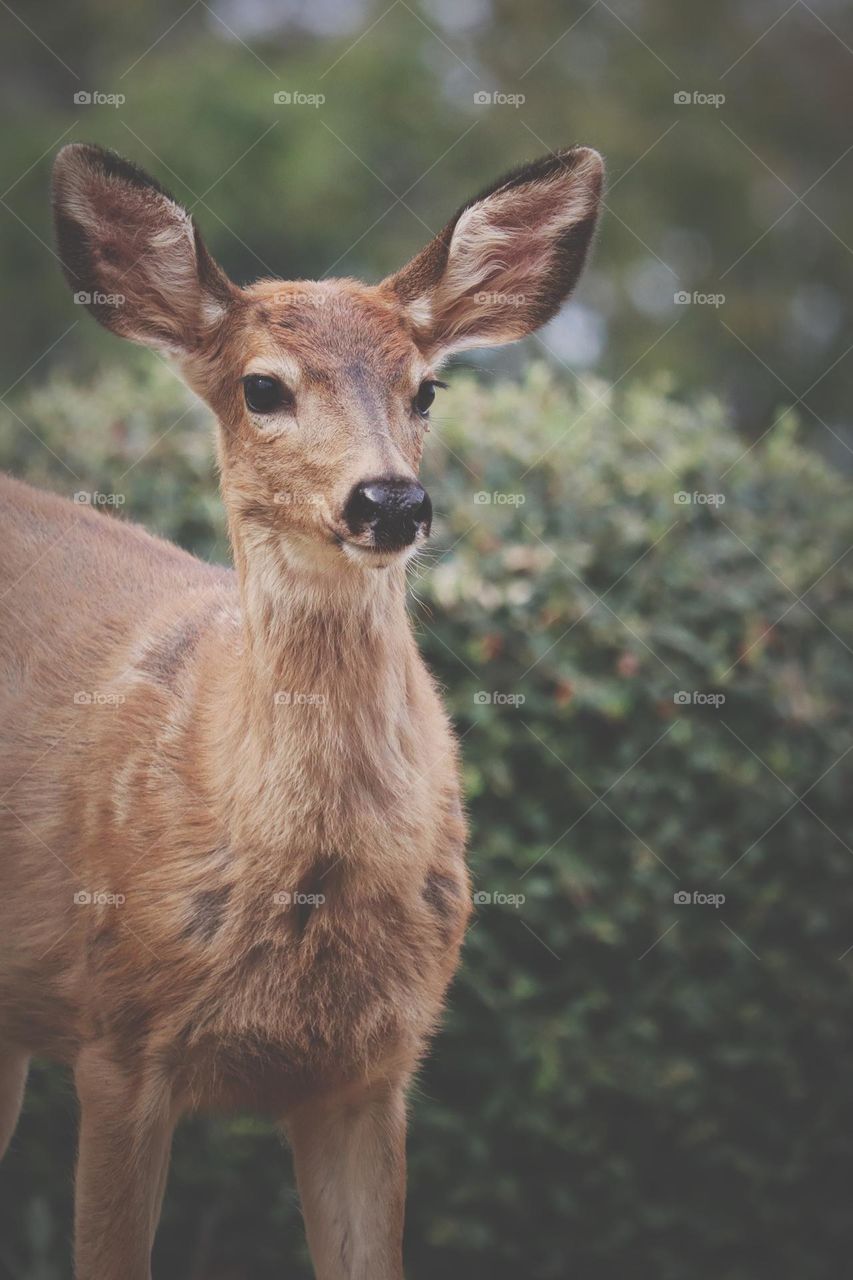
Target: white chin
x=371 y=559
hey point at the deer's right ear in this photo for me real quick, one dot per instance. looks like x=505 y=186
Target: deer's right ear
x=501 y=268
x=132 y=255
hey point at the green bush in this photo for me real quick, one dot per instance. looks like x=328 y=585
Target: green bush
x=624 y=1085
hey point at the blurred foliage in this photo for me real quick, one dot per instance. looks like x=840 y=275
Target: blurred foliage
x=624 y=1085
x=748 y=199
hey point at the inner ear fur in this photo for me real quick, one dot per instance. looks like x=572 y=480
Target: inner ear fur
x=132 y=253
x=522 y=242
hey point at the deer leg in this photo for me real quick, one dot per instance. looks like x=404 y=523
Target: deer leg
x=14 y=1064
x=126 y=1125
x=351 y=1172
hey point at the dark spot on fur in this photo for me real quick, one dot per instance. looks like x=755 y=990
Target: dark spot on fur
x=208 y=908
x=258 y=956
x=265 y=514
x=303 y=910
x=129 y=1028
x=441 y=892
x=164 y=660
x=110 y=256
x=311 y=892
x=101 y=946
x=103 y=938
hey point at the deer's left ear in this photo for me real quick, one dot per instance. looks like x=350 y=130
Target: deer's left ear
x=510 y=257
x=132 y=254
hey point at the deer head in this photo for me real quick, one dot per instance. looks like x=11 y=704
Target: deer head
x=322 y=390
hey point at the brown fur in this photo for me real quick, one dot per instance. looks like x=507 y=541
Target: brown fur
x=259 y=789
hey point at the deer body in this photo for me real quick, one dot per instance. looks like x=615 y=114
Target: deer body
x=266 y=851
x=232 y=870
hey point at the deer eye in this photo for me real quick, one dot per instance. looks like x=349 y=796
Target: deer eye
x=264 y=394
x=426 y=395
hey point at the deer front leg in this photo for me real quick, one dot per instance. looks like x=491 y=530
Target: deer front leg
x=126 y=1125
x=350 y=1163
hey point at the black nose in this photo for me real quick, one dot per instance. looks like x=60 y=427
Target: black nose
x=394 y=511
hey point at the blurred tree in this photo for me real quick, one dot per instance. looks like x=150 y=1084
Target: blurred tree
x=746 y=198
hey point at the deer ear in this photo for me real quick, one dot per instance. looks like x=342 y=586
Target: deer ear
x=504 y=264
x=131 y=254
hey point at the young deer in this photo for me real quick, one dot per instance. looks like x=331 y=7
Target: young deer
x=232 y=870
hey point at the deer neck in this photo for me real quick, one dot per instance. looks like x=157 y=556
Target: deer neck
x=314 y=719
x=341 y=645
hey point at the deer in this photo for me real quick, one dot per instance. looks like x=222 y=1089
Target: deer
x=232 y=831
